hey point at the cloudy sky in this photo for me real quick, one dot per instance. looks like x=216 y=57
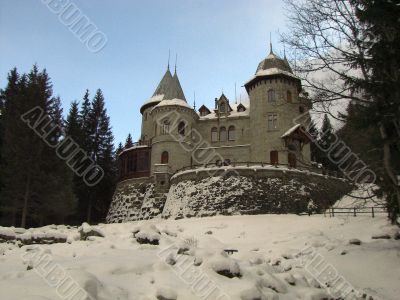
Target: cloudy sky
x=218 y=43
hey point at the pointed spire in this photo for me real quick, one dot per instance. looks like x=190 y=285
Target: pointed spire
x=176 y=61
x=169 y=55
x=194 y=100
x=270 y=43
x=235 y=94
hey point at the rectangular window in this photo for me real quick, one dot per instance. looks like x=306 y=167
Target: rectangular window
x=272 y=121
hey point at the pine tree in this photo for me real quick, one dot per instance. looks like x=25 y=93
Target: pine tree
x=381 y=113
x=35 y=187
x=101 y=150
x=316 y=153
x=120 y=148
x=128 y=142
x=326 y=140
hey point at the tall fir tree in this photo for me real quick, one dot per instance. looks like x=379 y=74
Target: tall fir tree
x=326 y=139
x=128 y=142
x=380 y=114
x=120 y=148
x=35 y=187
x=316 y=153
x=101 y=150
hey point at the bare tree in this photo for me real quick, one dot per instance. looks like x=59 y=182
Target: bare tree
x=321 y=39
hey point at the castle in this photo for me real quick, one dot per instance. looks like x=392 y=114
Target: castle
x=176 y=138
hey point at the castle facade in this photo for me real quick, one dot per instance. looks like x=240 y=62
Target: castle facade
x=174 y=136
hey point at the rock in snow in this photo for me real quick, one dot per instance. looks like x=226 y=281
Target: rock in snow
x=85 y=231
x=354 y=242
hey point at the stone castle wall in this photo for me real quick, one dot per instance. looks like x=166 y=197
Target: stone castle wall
x=135 y=199
x=213 y=191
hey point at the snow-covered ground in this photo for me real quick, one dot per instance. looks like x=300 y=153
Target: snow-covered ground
x=268 y=263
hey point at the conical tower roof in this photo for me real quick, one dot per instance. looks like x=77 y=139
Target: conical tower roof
x=169 y=88
x=164 y=84
x=175 y=90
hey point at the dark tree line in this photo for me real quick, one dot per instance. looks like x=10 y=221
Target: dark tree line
x=357 y=43
x=36 y=186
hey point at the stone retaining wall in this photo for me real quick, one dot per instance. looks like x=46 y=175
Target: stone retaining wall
x=247 y=190
x=226 y=191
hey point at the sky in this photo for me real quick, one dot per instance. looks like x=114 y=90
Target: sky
x=219 y=43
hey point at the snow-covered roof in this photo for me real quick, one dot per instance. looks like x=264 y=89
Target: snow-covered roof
x=169 y=88
x=156 y=98
x=177 y=102
x=232 y=114
x=271 y=71
x=133 y=147
x=291 y=130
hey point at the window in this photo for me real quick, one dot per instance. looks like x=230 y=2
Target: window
x=181 y=128
x=289 y=96
x=231 y=133
x=165 y=127
x=301 y=109
x=273 y=157
x=222 y=107
x=164 y=157
x=292 y=160
x=214 y=134
x=222 y=134
x=271 y=96
x=272 y=121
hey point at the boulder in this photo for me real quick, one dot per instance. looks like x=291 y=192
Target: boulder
x=354 y=242
x=85 y=230
x=383 y=236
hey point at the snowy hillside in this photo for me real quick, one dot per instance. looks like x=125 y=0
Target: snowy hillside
x=185 y=259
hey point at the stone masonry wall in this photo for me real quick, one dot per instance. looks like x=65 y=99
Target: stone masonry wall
x=251 y=191
x=213 y=191
x=135 y=199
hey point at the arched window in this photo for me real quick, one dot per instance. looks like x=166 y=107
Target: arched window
x=164 y=157
x=214 y=134
x=273 y=157
x=289 y=96
x=222 y=134
x=231 y=133
x=181 y=128
x=222 y=107
x=271 y=96
x=165 y=127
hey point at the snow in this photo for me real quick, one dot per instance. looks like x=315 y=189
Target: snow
x=118 y=267
x=271 y=71
x=233 y=114
x=176 y=102
x=291 y=130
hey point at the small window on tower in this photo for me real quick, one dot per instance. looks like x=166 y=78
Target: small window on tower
x=271 y=96
x=165 y=127
x=181 y=128
x=289 y=96
x=301 y=109
x=272 y=121
x=222 y=107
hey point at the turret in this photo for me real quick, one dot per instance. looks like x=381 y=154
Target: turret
x=275 y=104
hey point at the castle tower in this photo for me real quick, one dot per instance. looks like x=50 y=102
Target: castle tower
x=167 y=123
x=275 y=102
